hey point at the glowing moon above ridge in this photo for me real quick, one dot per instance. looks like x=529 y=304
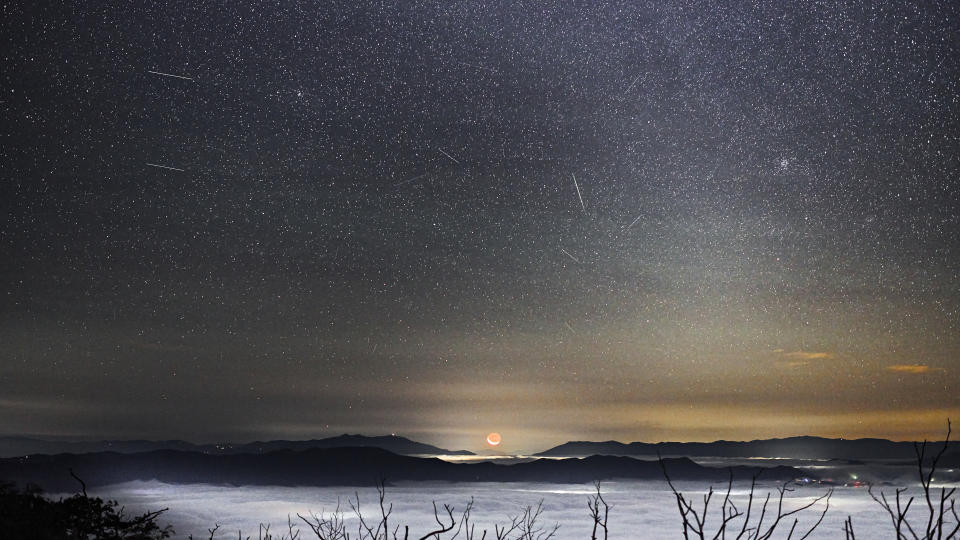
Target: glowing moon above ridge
x=493 y=439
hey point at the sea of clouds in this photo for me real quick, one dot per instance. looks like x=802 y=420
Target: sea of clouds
x=639 y=509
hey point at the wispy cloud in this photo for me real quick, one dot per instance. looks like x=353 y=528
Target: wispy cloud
x=796 y=359
x=796 y=363
x=807 y=355
x=911 y=368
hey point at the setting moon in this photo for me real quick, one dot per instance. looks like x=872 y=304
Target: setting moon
x=493 y=439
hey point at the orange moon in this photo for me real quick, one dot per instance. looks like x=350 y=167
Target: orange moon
x=493 y=439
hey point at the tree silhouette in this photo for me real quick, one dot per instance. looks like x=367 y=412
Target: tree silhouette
x=937 y=525
x=694 y=523
x=27 y=514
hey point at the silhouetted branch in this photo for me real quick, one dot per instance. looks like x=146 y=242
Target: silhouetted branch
x=83 y=485
x=848 y=529
x=594 y=504
x=746 y=520
x=293 y=534
x=694 y=522
x=332 y=528
x=936 y=511
x=443 y=527
x=464 y=525
x=506 y=530
x=530 y=530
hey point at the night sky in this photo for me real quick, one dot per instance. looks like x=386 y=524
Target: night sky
x=558 y=220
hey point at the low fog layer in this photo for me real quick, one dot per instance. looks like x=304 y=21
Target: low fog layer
x=646 y=509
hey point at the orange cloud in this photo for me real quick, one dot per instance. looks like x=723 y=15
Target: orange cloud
x=806 y=355
x=796 y=363
x=911 y=368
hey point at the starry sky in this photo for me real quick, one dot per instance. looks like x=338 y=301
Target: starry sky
x=663 y=220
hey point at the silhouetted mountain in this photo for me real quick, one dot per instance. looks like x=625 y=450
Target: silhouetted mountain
x=391 y=443
x=792 y=447
x=23 y=446
x=342 y=466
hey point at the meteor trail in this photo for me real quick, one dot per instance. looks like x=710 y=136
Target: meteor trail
x=567 y=253
x=170 y=75
x=165 y=167
x=449 y=156
x=404 y=182
x=578 y=193
x=632 y=84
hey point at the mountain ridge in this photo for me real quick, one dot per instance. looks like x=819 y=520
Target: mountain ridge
x=798 y=447
x=15 y=446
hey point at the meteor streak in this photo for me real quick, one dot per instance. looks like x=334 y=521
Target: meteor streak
x=162 y=74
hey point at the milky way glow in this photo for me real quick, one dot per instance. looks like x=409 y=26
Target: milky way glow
x=570 y=220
